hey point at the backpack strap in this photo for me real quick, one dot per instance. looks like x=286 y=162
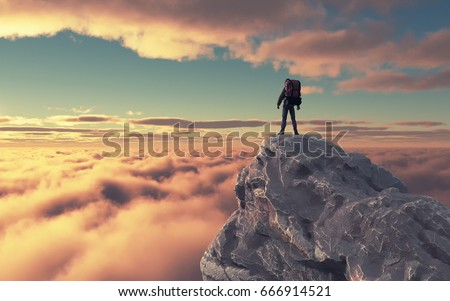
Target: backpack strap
x=288 y=86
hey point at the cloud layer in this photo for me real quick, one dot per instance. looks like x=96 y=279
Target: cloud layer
x=306 y=37
x=425 y=171
x=155 y=29
x=79 y=129
x=388 y=82
x=71 y=215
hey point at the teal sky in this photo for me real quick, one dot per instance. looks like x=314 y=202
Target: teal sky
x=375 y=62
x=70 y=71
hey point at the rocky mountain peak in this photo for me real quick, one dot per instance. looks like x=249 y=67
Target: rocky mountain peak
x=307 y=210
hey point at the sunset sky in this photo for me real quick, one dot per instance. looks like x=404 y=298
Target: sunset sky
x=380 y=67
x=70 y=70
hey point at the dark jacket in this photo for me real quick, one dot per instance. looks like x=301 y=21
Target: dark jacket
x=281 y=97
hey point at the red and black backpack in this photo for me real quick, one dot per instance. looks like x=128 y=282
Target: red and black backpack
x=293 y=91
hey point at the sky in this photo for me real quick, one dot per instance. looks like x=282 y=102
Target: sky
x=73 y=70
x=368 y=64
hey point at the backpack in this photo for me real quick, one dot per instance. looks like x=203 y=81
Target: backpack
x=293 y=92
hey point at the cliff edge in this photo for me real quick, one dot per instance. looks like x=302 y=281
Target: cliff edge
x=309 y=211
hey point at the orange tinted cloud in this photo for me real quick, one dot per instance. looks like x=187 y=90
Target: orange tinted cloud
x=425 y=171
x=419 y=123
x=430 y=52
x=296 y=35
x=73 y=215
x=314 y=53
x=156 y=29
x=43 y=129
x=71 y=129
x=312 y=90
x=365 y=50
x=91 y=118
x=388 y=81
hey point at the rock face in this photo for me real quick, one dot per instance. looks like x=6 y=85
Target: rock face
x=303 y=216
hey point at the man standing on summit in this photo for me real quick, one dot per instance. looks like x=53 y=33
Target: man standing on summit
x=291 y=96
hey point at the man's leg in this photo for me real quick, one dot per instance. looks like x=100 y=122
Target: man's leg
x=294 y=122
x=283 y=120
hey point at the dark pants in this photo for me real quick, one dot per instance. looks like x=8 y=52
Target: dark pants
x=291 y=110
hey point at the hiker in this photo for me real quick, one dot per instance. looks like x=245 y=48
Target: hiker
x=291 y=96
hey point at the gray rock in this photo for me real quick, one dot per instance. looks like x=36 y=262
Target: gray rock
x=303 y=216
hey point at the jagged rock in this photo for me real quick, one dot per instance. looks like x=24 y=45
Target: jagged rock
x=303 y=216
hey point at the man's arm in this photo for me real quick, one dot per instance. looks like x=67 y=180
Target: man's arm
x=281 y=97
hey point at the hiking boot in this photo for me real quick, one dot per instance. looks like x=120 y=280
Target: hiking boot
x=296 y=134
x=280 y=133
